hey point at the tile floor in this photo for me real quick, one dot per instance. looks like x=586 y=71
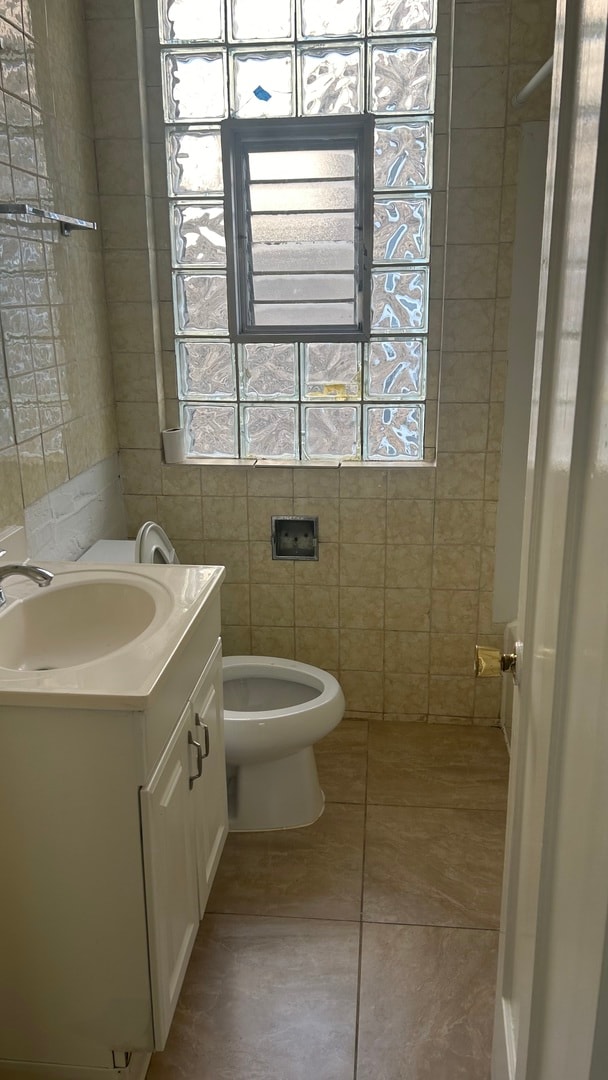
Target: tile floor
x=363 y=947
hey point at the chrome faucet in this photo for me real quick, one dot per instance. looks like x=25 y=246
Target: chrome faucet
x=34 y=573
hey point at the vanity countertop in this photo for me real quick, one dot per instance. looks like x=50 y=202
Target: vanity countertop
x=126 y=677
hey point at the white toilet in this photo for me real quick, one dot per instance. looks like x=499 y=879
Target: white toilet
x=274 y=710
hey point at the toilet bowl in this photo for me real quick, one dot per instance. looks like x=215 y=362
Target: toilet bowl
x=274 y=710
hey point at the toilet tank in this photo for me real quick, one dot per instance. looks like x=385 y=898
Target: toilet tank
x=110 y=551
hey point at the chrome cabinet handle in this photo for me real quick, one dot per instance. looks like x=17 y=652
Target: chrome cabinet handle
x=199 y=723
x=199 y=759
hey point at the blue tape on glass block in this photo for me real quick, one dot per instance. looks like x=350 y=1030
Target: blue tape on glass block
x=261 y=94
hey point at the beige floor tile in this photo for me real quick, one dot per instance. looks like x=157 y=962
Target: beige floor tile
x=434 y=867
x=342 y=762
x=426 y=1003
x=265 y=999
x=314 y=872
x=437 y=765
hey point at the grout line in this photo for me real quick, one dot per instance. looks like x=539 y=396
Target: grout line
x=352 y=922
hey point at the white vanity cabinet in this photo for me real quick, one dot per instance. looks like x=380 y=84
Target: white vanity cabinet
x=184 y=827
x=113 y=816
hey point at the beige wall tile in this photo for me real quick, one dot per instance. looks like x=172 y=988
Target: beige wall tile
x=316 y=605
x=139 y=508
x=181 y=516
x=474 y=215
x=140 y=472
x=261 y=511
x=236 y=641
x=362 y=563
x=469 y=325
x=409 y=521
x=361 y=650
x=471 y=271
x=224 y=517
x=362 y=521
x=460 y=475
x=481 y=34
x=479 y=97
x=408 y=565
x=458 y=521
x=224 y=479
x=476 y=157
x=233 y=554
x=272 y=605
x=451 y=695
x=317 y=646
x=235 y=605
x=361 y=483
x=273 y=641
x=265 y=569
x=456 y=566
x=180 y=480
x=452 y=654
x=138 y=425
x=321 y=571
x=463 y=427
x=361 y=608
x=327 y=511
x=465 y=377
x=316 y=483
x=406 y=693
x=271 y=481
x=413 y=482
x=31 y=465
x=454 y=610
x=363 y=691
x=407 y=609
x=487 y=698
x=406 y=652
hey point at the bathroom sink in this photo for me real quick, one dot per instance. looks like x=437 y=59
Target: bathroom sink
x=78 y=620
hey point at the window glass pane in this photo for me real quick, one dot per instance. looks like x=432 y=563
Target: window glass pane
x=330 y=18
x=402 y=229
x=195 y=162
x=289 y=258
x=198 y=234
x=302 y=228
x=331 y=370
x=400 y=300
x=315 y=314
x=314 y=195
x=402 y=15
x=262 y=22
x=402 y=157
x=394 y=433
x=262 y=83
x=270 y=431
x=201 y=303
x=331 y=81
x=330 y=431
x=184 y=74
x=191 y=20
x=301 y=164
x=402 y=77
x=206 y=369
x=211 y=430
x=304 y=287
x=268 y=371
x=396 y=369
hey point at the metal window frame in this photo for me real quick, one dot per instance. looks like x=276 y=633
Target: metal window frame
x=318 y=132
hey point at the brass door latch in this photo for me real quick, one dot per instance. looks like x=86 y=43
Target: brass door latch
x=489 y=663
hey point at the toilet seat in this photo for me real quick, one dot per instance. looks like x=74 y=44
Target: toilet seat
x=152 y=545
x=323 y=685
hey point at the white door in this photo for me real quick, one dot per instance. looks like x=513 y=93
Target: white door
x=170 y=873
x=210 y=801
x=552 y=999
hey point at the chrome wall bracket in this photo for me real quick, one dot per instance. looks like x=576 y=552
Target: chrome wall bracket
x=66 y=223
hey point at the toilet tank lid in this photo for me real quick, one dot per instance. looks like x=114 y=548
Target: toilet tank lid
x=110 y=551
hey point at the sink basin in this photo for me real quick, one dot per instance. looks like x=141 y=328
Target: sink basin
x=74 y=622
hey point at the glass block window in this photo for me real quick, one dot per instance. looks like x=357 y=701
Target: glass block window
x=329 y=393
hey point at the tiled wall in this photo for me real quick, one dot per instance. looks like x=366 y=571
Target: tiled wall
x=402 y=590
x=57 y=414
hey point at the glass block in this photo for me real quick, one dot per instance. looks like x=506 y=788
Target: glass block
x=191 y=20
x=201 y=303
x=402 y=229
x=331 y=370
x=262 y=83
x=331 y=431
x=194 y=85
x=198 y=234
x=268 y=371
x=400 y=300
x=396 y=369
x=402 y=16
x=331 y=81
x=211 y=430
x=206 y=369
x=330 y=18
x=262 y=22
x=269 y=431
x=402 y=77
x=402 y=154
x=394 y=433
x=195 y=162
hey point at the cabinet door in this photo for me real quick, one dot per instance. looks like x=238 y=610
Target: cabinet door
x=210 y=805
x=169 y=849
